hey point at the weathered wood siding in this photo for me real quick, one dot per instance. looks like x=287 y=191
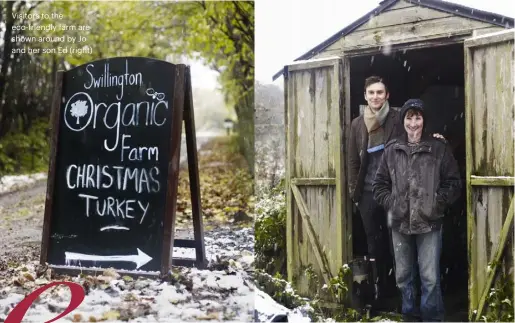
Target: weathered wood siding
x=314 y=152
x=406 y=22
x=490 y=156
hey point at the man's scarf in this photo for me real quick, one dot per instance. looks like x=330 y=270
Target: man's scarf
x=374 y=122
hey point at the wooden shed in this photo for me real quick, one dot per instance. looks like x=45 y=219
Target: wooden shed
x=460 y=61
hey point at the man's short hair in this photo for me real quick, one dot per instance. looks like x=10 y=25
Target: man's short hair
x=374 y=79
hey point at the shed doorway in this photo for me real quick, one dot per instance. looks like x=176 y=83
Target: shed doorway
x=436 y=75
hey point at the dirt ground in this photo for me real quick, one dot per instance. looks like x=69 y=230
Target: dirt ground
x=21 y=224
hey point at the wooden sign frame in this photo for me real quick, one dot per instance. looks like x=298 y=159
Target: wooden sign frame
x=196 y=205
x=182 y=111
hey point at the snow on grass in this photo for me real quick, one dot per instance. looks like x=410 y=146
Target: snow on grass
x=224 y=292
x=267 y=309
x=10 y=183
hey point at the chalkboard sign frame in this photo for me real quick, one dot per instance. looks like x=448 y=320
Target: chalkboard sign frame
x=182 y=111
x=191 y=147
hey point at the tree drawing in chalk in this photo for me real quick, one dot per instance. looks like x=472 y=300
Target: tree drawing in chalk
x=79 y=109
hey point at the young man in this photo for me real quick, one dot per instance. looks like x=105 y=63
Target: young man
x=368 y=134
x=417 y=180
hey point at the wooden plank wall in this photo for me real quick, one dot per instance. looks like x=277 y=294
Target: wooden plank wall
x=492 y=114
x=315 y=149
x=490 y=94
x=312 y=150
x=406 y=22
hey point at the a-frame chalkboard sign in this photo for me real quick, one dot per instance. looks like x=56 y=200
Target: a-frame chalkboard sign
x=114 y=167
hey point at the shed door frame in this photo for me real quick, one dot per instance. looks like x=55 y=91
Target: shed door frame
x=293 y=195
x=458 y=38
x=477 y=296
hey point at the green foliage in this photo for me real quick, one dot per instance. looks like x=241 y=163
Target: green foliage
x=245 y=127
x=219 y=33
x=222 y=34
x=336 y=290
x=279 y=289
x=500 y=301
x=338 y=285
x=233 y=147
x=270 y=261
x=25 y=152
x=270 y=232
x=313 y=280
x=128 y=28
x=282 y=292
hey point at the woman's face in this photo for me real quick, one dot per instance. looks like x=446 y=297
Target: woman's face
x=413 y=123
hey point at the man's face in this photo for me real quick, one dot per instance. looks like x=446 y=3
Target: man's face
x=376 y=95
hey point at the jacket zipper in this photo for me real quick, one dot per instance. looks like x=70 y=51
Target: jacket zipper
x=410 y=162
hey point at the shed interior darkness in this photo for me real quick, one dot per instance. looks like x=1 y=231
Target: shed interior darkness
x=436 y=75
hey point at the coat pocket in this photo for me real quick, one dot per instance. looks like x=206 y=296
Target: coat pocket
x=396 y=212
x=438 y=209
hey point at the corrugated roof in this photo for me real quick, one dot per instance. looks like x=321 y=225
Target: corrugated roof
x=455 y=9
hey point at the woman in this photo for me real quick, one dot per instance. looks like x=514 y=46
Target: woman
x=416 y=181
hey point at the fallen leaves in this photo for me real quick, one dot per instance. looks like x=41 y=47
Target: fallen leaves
x=225 y=184
x=127 y=278
x=110 y=272
x=111 y=315
x=26 y=279
x=223 y=292
x=208 y=317
x=130 y=297
x=107 y=316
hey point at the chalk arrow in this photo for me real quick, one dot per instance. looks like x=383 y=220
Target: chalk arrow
x=140 y=259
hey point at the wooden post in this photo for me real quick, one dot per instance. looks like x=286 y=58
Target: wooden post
x=471 y=221
x=288 y=97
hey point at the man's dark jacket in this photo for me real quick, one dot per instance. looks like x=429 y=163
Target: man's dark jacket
x=357 y=156
x=416 y=187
